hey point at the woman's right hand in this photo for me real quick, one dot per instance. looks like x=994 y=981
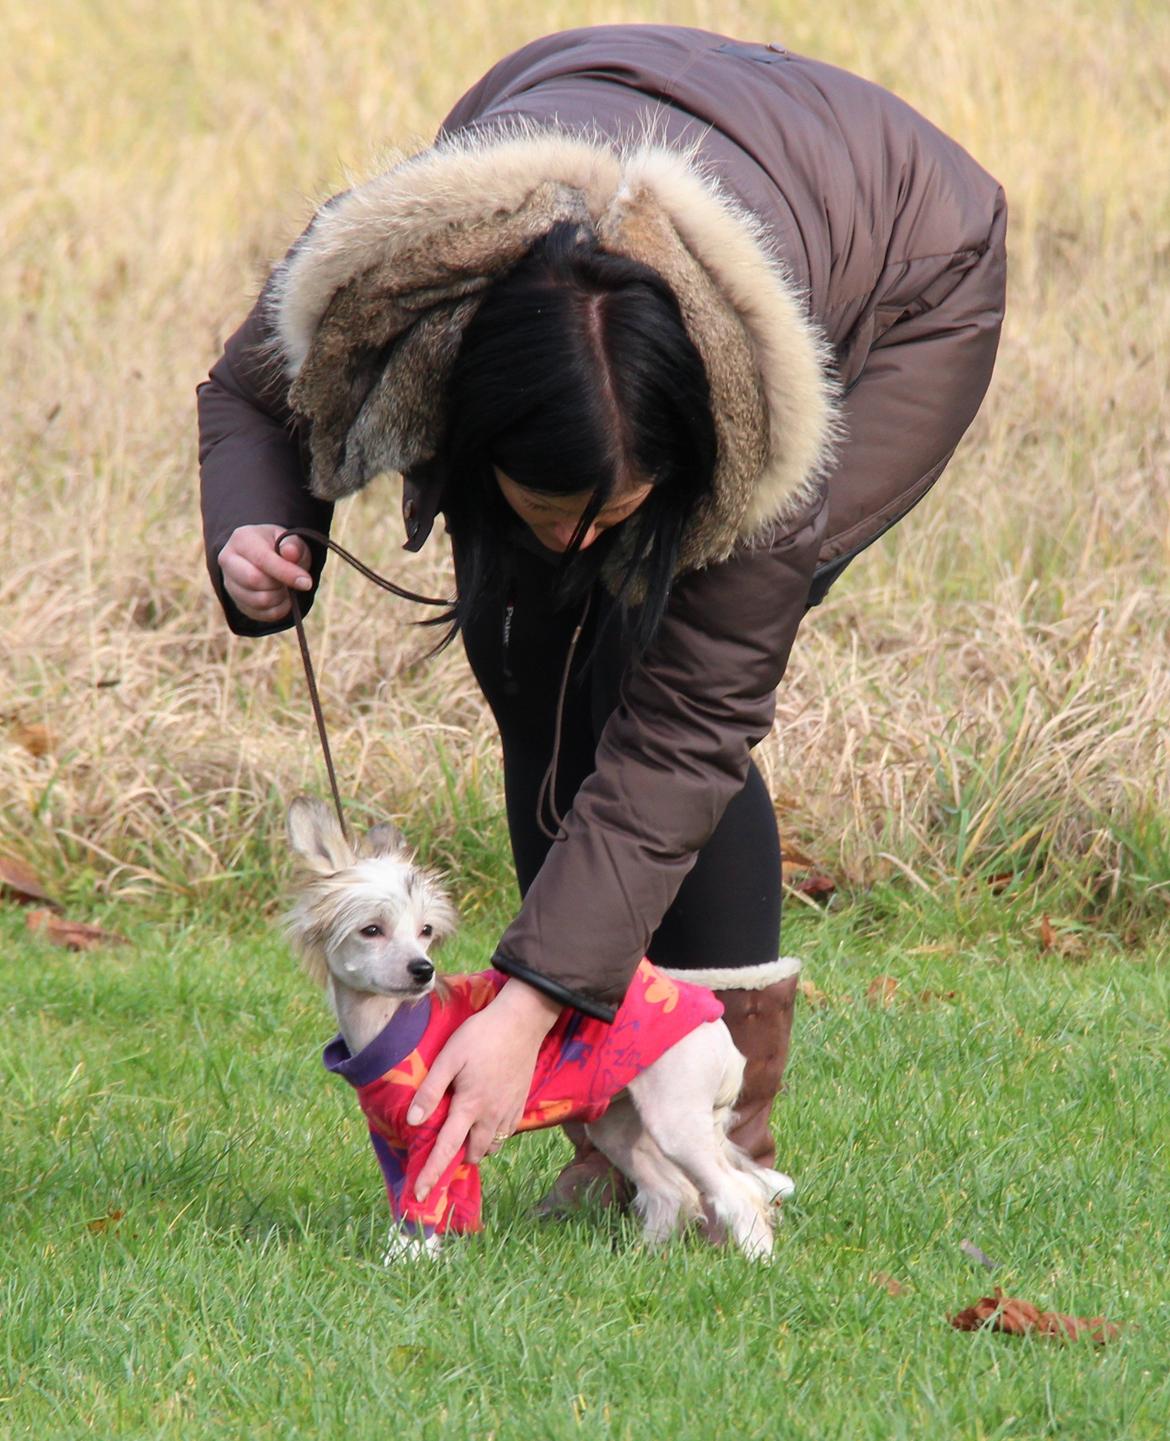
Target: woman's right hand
x=257 y=578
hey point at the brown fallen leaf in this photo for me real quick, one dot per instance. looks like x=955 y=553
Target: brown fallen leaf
x=19 y=882
x=813 y=994
x=106 y=1222
x=792 y=856
x=928 y=997
x=999 y=884
x=1021 y=1318
x=73 y=935
x=881 y=991
x=36 y=739
x=816 y=887
x=1067 y=941
x=888 y=1283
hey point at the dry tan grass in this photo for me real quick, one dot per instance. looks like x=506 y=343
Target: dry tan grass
x=990 y=683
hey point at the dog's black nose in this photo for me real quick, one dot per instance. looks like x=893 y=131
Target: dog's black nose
x=421 y=970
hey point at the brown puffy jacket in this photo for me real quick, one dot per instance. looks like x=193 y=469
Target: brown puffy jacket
x=840 y=265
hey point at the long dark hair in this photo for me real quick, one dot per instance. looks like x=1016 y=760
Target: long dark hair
x=576 y=374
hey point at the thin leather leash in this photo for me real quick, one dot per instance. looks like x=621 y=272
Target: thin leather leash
x=547 y=792
x=298 y=621
x=548 y=786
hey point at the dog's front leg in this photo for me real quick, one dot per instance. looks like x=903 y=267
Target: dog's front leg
x=403 y=1245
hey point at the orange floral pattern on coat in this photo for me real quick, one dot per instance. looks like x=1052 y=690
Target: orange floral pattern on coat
x=582 y=1065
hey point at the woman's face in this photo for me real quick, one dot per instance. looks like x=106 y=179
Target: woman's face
x=553 y=519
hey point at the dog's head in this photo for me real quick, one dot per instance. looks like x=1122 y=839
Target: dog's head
x=366 y=913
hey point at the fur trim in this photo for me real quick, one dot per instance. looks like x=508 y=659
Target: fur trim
x=370 y=307
x=741 y=978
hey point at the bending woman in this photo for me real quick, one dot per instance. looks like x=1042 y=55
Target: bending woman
x=668 y=327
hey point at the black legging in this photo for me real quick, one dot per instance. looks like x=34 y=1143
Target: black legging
x=727 y=911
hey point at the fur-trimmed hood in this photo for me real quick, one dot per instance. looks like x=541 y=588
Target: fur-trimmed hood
x=370 y=307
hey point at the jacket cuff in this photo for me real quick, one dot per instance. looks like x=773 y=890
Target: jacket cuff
x=587 y=1005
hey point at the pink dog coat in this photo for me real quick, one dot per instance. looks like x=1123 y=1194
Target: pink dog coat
x=582 y=1065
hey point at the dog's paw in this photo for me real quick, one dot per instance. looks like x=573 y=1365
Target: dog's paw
x=407 y=1246
x=780 y=1186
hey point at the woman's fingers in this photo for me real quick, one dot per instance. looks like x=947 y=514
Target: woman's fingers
x=434 y=1086
x=454 y=1129
x=482 y=1140
x=451 y=1137
x=483 y=1137
x=257 y=577
x=489 y=1063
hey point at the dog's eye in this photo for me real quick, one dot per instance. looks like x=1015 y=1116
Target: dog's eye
x=371 y=931
x=427 y=931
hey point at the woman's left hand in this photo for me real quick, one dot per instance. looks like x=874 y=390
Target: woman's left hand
x=488 y=1063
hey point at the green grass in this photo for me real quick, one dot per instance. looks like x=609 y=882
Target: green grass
x=178 y=1080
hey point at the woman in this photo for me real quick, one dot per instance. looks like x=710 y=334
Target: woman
x=669 y=327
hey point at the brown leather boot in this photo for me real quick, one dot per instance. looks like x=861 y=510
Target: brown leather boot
x=760 y=1023
x=588 y=1180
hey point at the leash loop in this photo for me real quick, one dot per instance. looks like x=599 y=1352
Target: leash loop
x=547 y=795
x=306 y=659
x=306 y=534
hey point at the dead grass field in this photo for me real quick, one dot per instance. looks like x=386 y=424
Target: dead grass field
x=988 y=691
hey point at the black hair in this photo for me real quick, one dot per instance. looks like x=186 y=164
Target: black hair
x=576 y=374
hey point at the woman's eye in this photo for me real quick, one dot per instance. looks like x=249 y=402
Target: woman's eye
x=427 y=931
x=371 y=930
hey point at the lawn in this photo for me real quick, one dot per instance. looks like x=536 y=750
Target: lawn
x=193 y=1219
x=972 y=741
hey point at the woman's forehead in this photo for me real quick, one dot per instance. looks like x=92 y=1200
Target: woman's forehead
x=574 y=503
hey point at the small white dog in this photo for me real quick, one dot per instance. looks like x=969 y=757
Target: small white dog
x=364 y=920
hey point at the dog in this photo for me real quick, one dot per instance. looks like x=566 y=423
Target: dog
x=364 y=919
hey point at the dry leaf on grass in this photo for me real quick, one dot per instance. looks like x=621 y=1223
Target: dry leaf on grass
x=816 y=887
x=813 y=994
x=794 y=859
x=19 y=882
x=36 y=739
x=73 y=935
x=1021 y=1318
x=881 y=991
x=888 y=1283
x=929 y=997
x=105 y=1223
x=1069 y=944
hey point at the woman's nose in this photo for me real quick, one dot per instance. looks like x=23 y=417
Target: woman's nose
x=565 y=530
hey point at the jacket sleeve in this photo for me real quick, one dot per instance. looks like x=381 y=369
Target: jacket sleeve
x=250 y=458
x=922 y=381
x=672 y=755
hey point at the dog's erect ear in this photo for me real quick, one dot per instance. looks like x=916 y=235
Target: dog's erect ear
x=384 y=840
x=315 y=835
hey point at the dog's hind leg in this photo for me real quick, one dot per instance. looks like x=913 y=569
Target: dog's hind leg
x=666 y=1200
x=682 y=1100
x=775 y=1185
